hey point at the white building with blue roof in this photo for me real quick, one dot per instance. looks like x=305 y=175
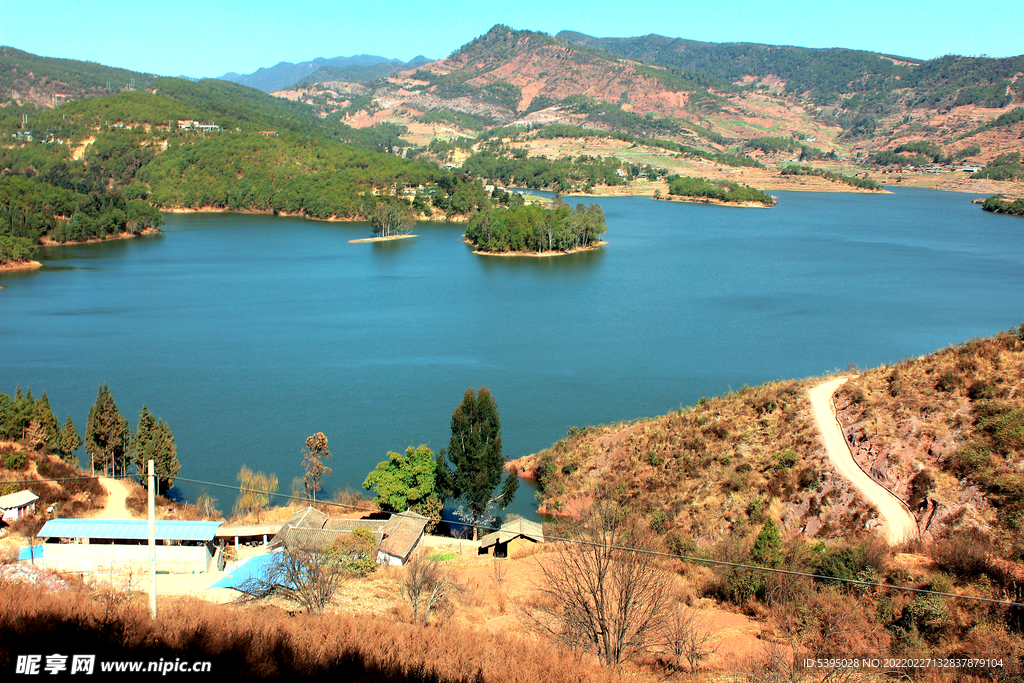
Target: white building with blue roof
x=121 y=545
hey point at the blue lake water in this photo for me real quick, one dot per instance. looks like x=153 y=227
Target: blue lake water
x=248 y=333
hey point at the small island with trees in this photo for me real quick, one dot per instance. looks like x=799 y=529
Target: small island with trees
x=532 y=230
x=705 y=191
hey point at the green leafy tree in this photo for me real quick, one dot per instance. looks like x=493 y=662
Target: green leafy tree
x=154 y=441
x=389 y=217
x=313 y=456
x=472 y=469
x=69 y=442
x=107 y=435
x=407 y=482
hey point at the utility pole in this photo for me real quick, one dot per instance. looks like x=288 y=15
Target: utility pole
x=152 y=542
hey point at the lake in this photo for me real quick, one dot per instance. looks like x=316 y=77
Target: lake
x=248 y=333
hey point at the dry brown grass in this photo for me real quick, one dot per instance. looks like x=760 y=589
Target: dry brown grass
x=269 y=643
x=704 y=473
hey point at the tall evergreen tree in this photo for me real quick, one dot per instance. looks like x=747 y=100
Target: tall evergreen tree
x=69 y=442
x=477 y=462
x=48 y=423
x=154 y=441
x=107 y=435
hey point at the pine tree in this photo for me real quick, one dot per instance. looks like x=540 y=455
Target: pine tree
x=69 y=442
x=48 y=422
x=166 y=465
x=107 y=435
x=154 y=441
x=477 y=461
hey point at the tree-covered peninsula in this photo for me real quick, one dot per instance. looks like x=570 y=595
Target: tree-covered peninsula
x=716 y=191
x=1000 y=204
x=533 y=229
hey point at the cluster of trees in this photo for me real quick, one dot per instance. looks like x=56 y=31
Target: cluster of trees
x=562 y=130
x=31 y=421
x=1004 y=167
x=646 y=125
x=1008 y=119
x=112 y=446
x=17 y=67
x=722 y=190
x=470 y=472
x=564 y=174
x=1000 y=204
x=533 y=228
x=773 y=145
x=866 y=85
x=455 y=118
x=854 y=181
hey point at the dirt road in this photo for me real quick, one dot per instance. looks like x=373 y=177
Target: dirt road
x=898 y=524
x=114 y=507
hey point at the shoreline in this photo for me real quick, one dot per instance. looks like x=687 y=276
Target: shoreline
x=381 y=239
x=45 y=241
x=538 y=254
x=19 y=265
x=459 y=218
x=714 y=201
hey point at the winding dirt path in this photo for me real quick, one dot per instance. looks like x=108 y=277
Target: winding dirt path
x=899 y=525
x=114 y=507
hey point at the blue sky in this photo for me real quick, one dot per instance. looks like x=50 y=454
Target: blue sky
x=210 y=38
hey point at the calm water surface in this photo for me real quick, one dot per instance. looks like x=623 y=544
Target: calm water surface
x=248 y=333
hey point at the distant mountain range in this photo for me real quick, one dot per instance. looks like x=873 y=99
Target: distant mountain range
x=784 y=101
x=358 y=68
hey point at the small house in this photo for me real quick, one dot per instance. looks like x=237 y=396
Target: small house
x=511 y=538
x=15 y=506
x=310 y=530
x=401 y=537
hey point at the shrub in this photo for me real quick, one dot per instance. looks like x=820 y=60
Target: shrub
x=786 y=459
x=964 y=554
x=15 y=459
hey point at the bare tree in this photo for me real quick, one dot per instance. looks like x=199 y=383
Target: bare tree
x=313 y=456
x=309 y=579
x=827 y=625
x=428 y=587
x=688 y=637
x=601 y=591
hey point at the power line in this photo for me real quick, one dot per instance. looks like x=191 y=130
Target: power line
x=628 y=549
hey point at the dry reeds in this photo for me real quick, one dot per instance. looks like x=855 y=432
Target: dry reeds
x=268 y=643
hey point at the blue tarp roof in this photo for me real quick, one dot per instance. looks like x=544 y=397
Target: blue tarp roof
x=129 y=529
x=254 y=567
x=30 y=552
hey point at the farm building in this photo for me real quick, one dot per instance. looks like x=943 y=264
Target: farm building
x=511 y=538
x=14 y=506
x=402 y=536
x=113 y=545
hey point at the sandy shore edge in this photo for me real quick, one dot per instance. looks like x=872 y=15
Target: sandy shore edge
x=19 y=265
x=534 y=254
x=381 y=239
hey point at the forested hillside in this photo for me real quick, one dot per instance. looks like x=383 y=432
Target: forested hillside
x=103 y=166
